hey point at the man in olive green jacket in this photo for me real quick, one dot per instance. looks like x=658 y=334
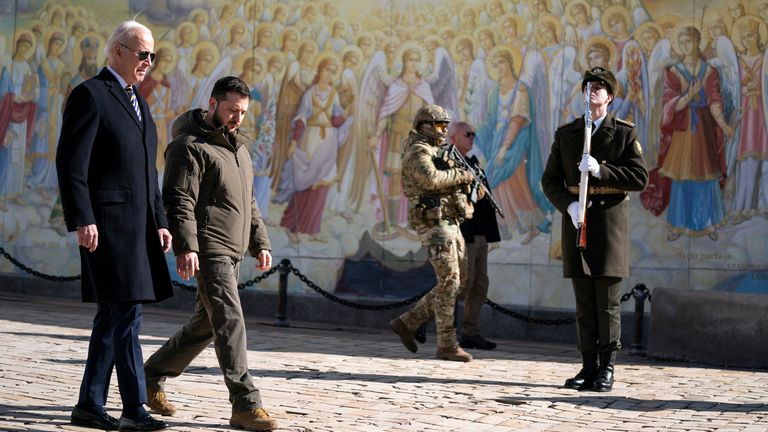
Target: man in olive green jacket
x=208 y=198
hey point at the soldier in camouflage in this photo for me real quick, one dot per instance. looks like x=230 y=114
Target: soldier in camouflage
x=437 y=192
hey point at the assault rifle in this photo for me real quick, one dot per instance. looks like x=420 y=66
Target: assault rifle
x=479 y=182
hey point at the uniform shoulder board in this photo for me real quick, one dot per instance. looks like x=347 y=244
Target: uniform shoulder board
x=566 y=123
x=625 y=122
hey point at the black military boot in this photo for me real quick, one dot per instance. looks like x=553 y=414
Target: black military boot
x=586 y=376
x=604 y=378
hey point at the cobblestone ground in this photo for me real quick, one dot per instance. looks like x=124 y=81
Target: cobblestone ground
x=343 y=380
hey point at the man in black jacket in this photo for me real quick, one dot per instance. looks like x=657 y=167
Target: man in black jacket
x=478 y=232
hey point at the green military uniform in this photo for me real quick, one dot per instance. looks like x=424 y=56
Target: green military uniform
x=597 y=271
x=437 y=194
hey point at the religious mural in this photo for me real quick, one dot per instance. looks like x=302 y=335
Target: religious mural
x=334 y=88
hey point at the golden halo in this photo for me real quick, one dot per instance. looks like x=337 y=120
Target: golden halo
x=517 y=61
x=408 y=46
x=519 y=24
x=79 y=22
x=187 y=24
x=713 y=16
x=97 y=41
x=304 y=45
x=648 y=25
x=26 y=34
x=555 y=23
x=460 y=40
x=486 y=29
x=194 y=12
x=242 y=59
x=337 y=21
x=210 y=46
x=50 y=33
x=264 y=26
x=466 y=9
x=352 y=50
x=60 y=9
x=276 y=56
x=739 y=26
x=232 y=24
x=328 y=56
x=682 y=24
x=169 y=47
x=603 y=42
x=667 y=24
x=571 y=6
x=612 y=12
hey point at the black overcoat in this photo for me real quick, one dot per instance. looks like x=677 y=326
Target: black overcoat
x=617 y=150
x=106 y=167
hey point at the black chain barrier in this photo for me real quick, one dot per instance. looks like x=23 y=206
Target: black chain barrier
x=244 y=285
x=348 y=303
x=36 y=273
x=640 y=292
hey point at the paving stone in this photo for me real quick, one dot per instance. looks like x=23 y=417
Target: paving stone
x=326 y=379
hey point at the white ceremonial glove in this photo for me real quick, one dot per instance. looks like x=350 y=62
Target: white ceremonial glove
x=588 y=163
x=573 y=211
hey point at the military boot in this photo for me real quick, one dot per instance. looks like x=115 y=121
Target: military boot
x=406 y=334
x=604 y=378
x=584 y=380
x=453 y=354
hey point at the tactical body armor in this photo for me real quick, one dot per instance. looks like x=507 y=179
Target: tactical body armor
x=436 y=188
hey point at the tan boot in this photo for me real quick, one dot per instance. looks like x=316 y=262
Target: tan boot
x=453 y=354
x=254 y=420
x=406 y=334
x=158 y=402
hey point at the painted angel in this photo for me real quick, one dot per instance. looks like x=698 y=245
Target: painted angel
x=318 y=129
x=514 y=139
x=296 y=81
x=751 y=145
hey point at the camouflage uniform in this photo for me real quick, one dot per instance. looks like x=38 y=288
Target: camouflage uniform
x=437 y=196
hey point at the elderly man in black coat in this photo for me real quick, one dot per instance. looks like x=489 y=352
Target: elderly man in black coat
x=110 y=196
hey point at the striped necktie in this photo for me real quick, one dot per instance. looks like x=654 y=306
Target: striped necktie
x=134 y=101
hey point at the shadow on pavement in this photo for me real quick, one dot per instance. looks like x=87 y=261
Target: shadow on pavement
x=633 y=404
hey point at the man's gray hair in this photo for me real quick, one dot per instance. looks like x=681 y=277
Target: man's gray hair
x=126 y=30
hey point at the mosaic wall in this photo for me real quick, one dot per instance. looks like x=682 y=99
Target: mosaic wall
x=701 y=224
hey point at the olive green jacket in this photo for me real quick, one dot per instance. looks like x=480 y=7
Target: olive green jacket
x=208 y=191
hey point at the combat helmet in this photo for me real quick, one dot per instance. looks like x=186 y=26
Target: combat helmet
x=431 y=114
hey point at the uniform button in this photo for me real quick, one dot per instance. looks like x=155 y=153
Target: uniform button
x=603 y=162
x=602 y=202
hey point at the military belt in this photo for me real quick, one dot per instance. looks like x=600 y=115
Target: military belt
x=597 y=190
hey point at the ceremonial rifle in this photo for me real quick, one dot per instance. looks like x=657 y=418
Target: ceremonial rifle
x=581 y=230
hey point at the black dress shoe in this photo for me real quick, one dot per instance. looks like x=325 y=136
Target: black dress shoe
x=96 y=420
x=476 y=341
x=145 y=423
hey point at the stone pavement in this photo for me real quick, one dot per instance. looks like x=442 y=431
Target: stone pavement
x=344 y=380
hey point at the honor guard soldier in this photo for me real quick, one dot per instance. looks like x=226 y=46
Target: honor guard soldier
x=615 y=166
x=437 y=191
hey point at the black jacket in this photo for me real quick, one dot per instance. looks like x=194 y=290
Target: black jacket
x=106 y=168
x=483 y=221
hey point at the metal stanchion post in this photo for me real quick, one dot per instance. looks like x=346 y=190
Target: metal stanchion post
x=282 y=293
x=640 y=293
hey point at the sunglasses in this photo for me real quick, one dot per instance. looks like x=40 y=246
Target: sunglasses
x=141 y=54
x=469 y=134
